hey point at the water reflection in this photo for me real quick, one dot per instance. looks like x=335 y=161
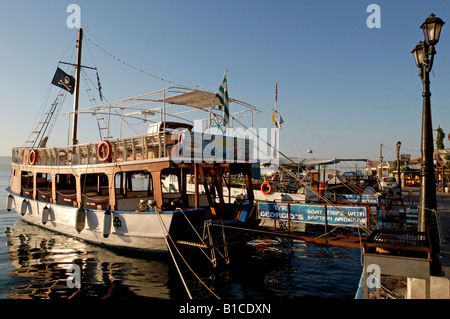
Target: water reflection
x=41 y=259
x=263 y=268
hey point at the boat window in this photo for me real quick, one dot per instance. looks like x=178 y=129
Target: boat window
x=44 y=186
x=66 y=189
x=27 y=183
x=132 y=188
x=134 y=184
x=95 y=190
x=169 y=183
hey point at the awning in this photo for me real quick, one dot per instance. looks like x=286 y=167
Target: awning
x=194 y=98
x=318 y=161
x=304 y=161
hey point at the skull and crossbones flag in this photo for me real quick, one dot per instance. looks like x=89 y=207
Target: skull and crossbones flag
x=63 y=80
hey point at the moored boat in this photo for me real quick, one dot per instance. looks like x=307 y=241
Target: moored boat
x=111 y=192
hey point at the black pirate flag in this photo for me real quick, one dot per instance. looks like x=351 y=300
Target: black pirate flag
x=64 y=80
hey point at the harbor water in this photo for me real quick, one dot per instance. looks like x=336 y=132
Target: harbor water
x=35 y=263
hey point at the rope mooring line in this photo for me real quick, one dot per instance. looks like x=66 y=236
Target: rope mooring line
x=164 y=229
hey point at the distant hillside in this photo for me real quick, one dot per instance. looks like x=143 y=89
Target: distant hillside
x=5 y=163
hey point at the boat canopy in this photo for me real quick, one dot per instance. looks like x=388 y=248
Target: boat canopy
x=195 y=98
x=308 y=161
x=153 y=106
x=297 y=161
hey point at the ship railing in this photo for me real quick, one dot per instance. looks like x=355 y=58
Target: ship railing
x=141 y=147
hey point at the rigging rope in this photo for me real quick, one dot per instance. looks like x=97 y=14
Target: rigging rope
x=356 y=221
x=165 y=231
x=131 y=66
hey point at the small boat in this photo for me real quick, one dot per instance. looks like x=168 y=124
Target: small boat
x=113 y=192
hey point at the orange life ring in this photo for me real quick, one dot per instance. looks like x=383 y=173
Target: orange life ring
x=269 y=190
x=104 y=151
x=33 y=157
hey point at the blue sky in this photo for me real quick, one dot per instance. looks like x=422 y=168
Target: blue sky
x=343 y=88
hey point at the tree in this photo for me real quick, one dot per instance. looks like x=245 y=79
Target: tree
x=440 y=138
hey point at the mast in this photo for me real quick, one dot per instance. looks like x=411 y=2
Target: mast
x=77 y=88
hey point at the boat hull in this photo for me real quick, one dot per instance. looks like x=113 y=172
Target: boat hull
x=128 y=230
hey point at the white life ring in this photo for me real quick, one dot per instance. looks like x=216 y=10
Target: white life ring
x=33 y=157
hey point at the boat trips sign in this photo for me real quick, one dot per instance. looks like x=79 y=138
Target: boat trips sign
x=348 y=216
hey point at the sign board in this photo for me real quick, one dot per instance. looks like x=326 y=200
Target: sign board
x=405 y=157
x=363 y=198
x=348 y=216
x=211 y=148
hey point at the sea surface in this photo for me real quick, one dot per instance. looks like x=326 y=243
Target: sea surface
x=36 y=264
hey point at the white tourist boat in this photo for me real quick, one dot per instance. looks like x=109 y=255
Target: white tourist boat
x=110 y=192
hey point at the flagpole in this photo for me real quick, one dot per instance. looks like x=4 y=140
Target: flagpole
x=276 y=120
x=77 y=89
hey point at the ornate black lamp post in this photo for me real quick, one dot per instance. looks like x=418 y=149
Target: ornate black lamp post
x=399 y=144
x=424 y=55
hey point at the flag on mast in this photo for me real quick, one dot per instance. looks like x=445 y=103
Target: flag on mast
x=64 y=80
x=222 y=95
x=99 y=87
x=276 y=94
x=277 y=122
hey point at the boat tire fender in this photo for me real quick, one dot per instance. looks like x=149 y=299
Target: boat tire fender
x=107 y=221
x=24 y=207
x=9 y=203
x=45 y=214
x=80 y=219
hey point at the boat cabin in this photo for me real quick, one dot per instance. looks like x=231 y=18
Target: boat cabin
x=122 y=174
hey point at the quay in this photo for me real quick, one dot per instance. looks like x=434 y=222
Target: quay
x=409 y=269
x=396 y=287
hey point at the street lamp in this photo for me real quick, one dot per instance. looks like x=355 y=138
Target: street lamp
x=398 y=167
x=424 y=55
x=432 y=29
x=419 y=54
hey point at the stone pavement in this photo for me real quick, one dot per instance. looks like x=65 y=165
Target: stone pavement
x=443 y=206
